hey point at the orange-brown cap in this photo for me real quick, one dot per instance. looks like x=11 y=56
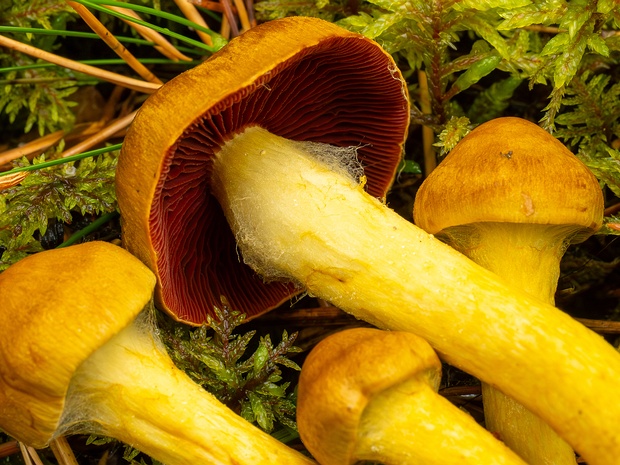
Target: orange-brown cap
x=56 y=308
x=299 y=78
x=509 y=170
x=342 y=374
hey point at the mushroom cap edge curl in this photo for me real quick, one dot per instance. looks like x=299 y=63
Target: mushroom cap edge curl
x=300 y=78
x=508 y=147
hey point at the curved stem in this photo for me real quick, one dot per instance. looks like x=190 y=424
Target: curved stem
x=297 y=219
x=410 y=424
x=130 y=390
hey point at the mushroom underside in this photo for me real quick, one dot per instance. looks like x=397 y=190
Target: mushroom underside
x=334 y=93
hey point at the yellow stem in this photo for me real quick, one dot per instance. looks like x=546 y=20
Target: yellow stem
x=527 y=257
x=411 y=424
x=295 y=218
x=129 y=389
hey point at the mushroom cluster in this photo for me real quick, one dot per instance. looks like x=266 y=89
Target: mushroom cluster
x=280 y=149
x=217 y=163
x=78 y=355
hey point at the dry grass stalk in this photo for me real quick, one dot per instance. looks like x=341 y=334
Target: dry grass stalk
x=162 y=45
x=62 y=451
x=225 y=28
x=101 y=136
x=30 y=455
x=428 y=136
x=243 y=11
x=119 y=79
x=229 y=16
x=243 y=15
x=9 y=448
x=34 y=147
x=11 y=180
x=113 y=42
x=191 y=13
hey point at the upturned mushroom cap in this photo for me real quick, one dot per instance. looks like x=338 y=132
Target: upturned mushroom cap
x=94 y=289
x=343 y=373
x=494 y=174
x=300 y=78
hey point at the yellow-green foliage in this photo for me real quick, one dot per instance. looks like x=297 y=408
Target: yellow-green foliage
x=56 y=192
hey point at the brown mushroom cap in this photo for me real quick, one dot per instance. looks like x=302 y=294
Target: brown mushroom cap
x=510 y=170
x=342 y=374
x=94 y=289
x=300 y=78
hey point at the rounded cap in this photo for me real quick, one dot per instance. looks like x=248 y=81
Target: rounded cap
x=300 y=78
x=56 y=308
x=509 y=170
x=342 y=374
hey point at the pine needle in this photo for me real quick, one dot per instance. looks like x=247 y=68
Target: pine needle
x=101 y=136
x=191 y=13
x=135 y=84
x=113 y=42
x=163 y=46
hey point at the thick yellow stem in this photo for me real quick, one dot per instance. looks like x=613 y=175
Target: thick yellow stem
x=527 y=257
x=130 y=390
x=296 y=219
x=411 y=424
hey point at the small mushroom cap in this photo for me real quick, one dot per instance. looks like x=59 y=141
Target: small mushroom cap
x=342 y=374
x=510 y=170
x=300 y=78
x=56 y=308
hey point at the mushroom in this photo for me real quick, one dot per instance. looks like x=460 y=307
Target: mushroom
x=371 y=395
x=300 y=78
x=208 y=139
x=512 y=198
x=78 y=355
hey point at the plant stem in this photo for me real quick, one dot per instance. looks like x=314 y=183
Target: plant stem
x=60 y=161
x=113 y=42
x=92 y=227
x=101 y=6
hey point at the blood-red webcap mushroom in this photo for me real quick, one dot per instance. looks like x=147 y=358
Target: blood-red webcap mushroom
x=299 y=78
x=79 y=355
x=512 y=198
x=298 y=213
x=371 y=395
